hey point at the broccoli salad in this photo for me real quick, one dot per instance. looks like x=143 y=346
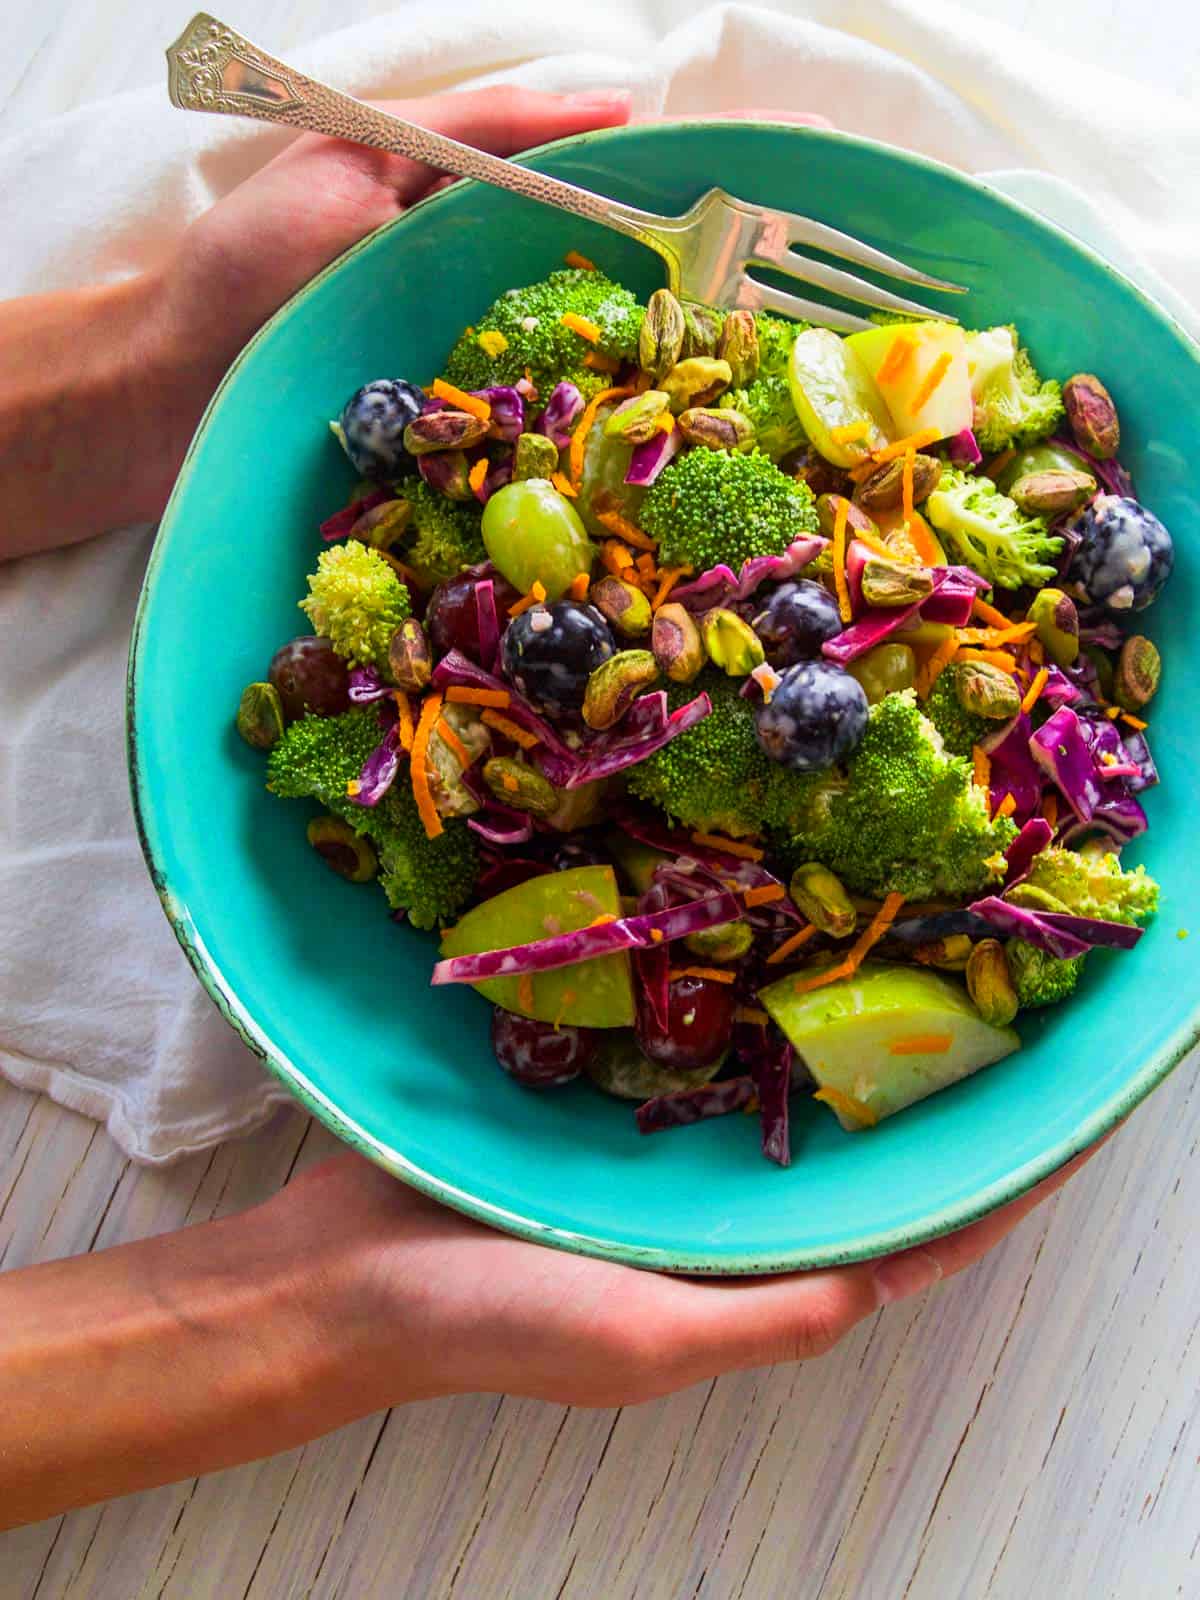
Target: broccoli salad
x=755 y=711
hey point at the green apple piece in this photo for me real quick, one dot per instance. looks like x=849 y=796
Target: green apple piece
x=635 y=859
x=831 y=391
x=949 y=408
x=597 y=993
x=886 y=1037
x=619 y=1068
x=533 y=535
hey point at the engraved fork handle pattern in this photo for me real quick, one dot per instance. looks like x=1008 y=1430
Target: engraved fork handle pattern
x=213 y=68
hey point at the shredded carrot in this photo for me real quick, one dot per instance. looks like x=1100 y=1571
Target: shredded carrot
x=580 y=584
x=1112 y=712
x=751 y=1014
x=858 y=952
x=454 y=744
x=511 y=730
x=624 y=529
x=586 y=329
x=353 y=787
x=478 y=473
x=431 y=710
x=534 y=598
x=574 y=259
x=851 y=433
x=1007 y=806
x=899 y=354
x=818 y=980
x=1034 y=692
x=441 y=390
x=906 y=485
x=872 y=543
x=715 y=974
x=462 y=694
x=564 y=485
x=569 y=998
x=656 y=935
x=525 y=991
x=1037 y=652
x=922 y=1044
x=731 y=847
x=915 y=441
x=601 y=363
x=937 y=664
x=668 y=577
x=616 y=557
x=405 y=723
x=839 y=559
x=983 y=768
x=1015 y=633
x=1134 y=722
x=993 y=658
x=509 y=782
x=933 y=380
x=989 y=614
x=997 y=463
x=783 y=951
x=602 y=920
x=764 y=895
x=645 y=565
x=922 y=540
x=848 y=1105
x=585 y=424
x=1050 y=810
x=665 y=422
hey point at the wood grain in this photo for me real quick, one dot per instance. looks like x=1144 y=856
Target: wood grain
x=1028 y=1430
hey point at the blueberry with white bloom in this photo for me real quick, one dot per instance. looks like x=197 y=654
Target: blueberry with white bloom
x=1125 y=556
x=372 y=423
x=816 y=717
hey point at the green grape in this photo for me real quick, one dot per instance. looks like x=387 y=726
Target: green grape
x=534 y=534
x=832 y=390
x=605 y=463
x=884 y=670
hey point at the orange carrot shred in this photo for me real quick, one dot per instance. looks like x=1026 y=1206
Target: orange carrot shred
x=751 y=1014
x=624 y=529
x=915 y=441
x=937 y=664
x=580 y=584
x=1134 y=722
x=441 y=390
x=405 y=723
x=994 y=658
x=983 y=768
x=713 y=974
x=1007 y=806
x=1037 y=652
x=764 y=895
x=906 y=483
x=574 y=259
x=478 y=473
x=585 y=328
x=899 y=354
x=989 y=614
x=839 y=559
x=858 y=952
x=645 y=565
x=431 y=710
x=462 y=694
x=783 y=951
x=598 y=362
x=353 y=787
x=602 y=920
x=534 y=598
x=922 y=540
x=1050 y=809
x=668 y=577
x=454 y=744
x=1034 y=692
x=525 y=991
x=564 y=485
x=511 y=730
x=731 y=847
x=848 y=1105
x=932 y=382
x=922 y=1044
x=656 y=935
x=585 y=424
x=818 y=980
x=615 y=556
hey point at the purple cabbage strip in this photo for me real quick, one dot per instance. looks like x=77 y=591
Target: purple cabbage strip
x=340 y=523
x=558 y=418
x=379 y=769
x=1017 y=922
x=508 y=411
x=1122 y=817
x=1014 y=770
x=1061 y=750
x=647 y=460
x=502 y=831
x=603 y=939
x=720 y=585
x=603 y=759
x=487 y=622
x=556 y=761
x=772 y=1077
x=747 y=874
x=366 y=687
x=1060 y=691
x=1137 y=748
x=686 y=1106
x=874 y=626
x=445 y=471
x=1104 y=633
x=963 y=449
x=1030 y=842
x=653 y=964
x=711 y=588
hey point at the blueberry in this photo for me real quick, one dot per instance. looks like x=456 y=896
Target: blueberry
x=373 y=421
x=1125 y=555
x=816 y=717
x=550 y=652
x=796 y=621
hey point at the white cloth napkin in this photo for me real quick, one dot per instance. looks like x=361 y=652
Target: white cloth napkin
x=97 y=1005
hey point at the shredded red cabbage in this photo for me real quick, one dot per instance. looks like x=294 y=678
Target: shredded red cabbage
x=685 y=1106
x=772 y=1078
x=963 y=449
x=340 y=523
x=646 y=461
x=875 y=625
x=555 y=759
x=721 y=867
x=1030 y=842
x=507 y=420
x=562 y=408
x=603 y=939
x=1102 y=632
x=1137 y=748
x=721 y=586
x=1013 y=769
x=1060 y=691
x=1056 y=932
x=501 y=830
x=379 y=769
x=605 y=758
x=366 y=687
x=1062 y=752
x=487 y=622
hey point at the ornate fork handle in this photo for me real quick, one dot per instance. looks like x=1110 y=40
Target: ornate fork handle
x=213 y=68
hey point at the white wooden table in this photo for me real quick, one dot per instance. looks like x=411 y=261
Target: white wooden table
x=1029 y=1430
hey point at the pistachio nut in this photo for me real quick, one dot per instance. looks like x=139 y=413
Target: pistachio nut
x=990 y=985
x=260 y=715
x=949 y=954
x=410 y=660
x=857 y=520
x=615 y=685
x=534 y=456
x=1052 y=494
x=894 y=583
x=447 y=472
x=716 y=428
x=695 y=382
x=986 y=691
x=702 y=329
x=883 y=490
x=1092 y=415
x=676 y=643
x=1057 y=622
x=444 y=764
x=731 y=643
x=819 y=895
x=624 y=606
x=1139 y=669
x=660 y=340
x=636 y=420
x=521 y=786
x=728 y=941
x=443 y=430
x=383 y=524
x=349 y=854
x=738 y=345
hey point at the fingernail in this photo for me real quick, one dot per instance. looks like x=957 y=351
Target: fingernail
x=599 y=99
x=898 y=1277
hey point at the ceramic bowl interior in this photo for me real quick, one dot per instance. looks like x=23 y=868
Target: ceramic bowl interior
x=336 y=998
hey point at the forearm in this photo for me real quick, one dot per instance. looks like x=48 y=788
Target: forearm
x=182 y=1354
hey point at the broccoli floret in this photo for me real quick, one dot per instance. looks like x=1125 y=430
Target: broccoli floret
x=318 y=756
x=767 y=401
x=532 y=334
x=445 y=534
x=1013 y=407
x=1040 y=979
x=710 y=506
x=1093 y=883
x=356 y=601
x=961 y=730
x=909 y=818
x=985 y=530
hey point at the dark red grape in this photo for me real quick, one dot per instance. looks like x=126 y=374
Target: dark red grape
x=451 y=618
x=310 y=676
x=538 y=1054
x=699 y=1023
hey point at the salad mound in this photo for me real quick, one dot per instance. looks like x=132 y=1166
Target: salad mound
x=756 y=711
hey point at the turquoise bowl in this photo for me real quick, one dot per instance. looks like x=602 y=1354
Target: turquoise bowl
x=335 y=998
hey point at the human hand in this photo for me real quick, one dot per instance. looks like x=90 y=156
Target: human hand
x=427 y=1293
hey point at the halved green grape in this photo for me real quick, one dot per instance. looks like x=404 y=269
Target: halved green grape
x=605 y=463
x=834 y=397
x=533 y=534
x=884 y=670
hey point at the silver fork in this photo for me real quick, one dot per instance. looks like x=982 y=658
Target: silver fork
x=706 y=250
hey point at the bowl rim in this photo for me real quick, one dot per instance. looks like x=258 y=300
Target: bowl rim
x=694 y=1261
